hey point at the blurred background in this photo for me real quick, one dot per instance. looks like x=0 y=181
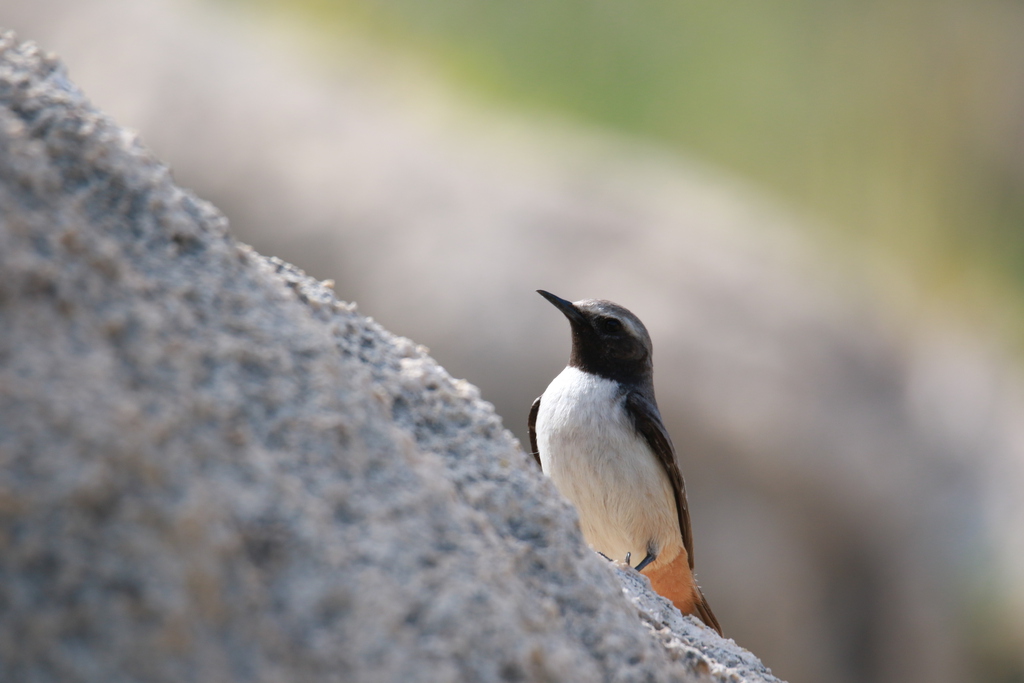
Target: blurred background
x=817 y=208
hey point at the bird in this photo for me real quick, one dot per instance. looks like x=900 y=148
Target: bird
x=596 y=431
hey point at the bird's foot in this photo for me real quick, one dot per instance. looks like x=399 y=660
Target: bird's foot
x=644 y=562
x=622 y=564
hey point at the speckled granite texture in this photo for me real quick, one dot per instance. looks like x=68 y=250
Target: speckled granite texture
x=213 y=470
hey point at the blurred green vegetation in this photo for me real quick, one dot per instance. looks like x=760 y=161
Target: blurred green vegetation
x=897 y=123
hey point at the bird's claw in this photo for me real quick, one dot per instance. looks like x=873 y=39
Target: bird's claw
x=646 y=561
x=623 y=563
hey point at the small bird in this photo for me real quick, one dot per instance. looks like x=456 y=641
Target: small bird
x=597 y=432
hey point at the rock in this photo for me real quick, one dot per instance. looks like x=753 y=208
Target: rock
x=212 y=469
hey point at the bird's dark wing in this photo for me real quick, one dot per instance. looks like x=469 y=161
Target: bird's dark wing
x=647 y=421
x=532 y=421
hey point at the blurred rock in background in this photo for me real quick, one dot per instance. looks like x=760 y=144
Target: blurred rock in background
x=872 y=452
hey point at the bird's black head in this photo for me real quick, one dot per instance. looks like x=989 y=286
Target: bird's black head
x=607 y=340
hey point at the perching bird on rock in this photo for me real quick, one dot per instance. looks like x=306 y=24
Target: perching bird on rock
x=597 y=432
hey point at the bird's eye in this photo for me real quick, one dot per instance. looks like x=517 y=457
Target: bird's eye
x=610 y=325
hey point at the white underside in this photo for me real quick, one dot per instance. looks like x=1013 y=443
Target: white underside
x=589 y=448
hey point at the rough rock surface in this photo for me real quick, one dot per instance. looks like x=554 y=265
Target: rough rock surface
x=211 y=469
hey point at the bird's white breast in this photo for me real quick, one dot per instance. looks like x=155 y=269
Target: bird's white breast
x=590 y=449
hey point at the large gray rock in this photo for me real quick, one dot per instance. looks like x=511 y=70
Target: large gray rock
x=211 y=469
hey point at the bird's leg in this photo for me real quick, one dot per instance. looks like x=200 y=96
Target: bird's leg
x=628 y=557
x=651 y=557
x=604 y=556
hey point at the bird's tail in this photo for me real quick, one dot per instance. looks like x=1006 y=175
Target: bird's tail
x=676 y=582
x=704 y=611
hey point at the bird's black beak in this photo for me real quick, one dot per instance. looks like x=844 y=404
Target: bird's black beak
x=566 y=307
